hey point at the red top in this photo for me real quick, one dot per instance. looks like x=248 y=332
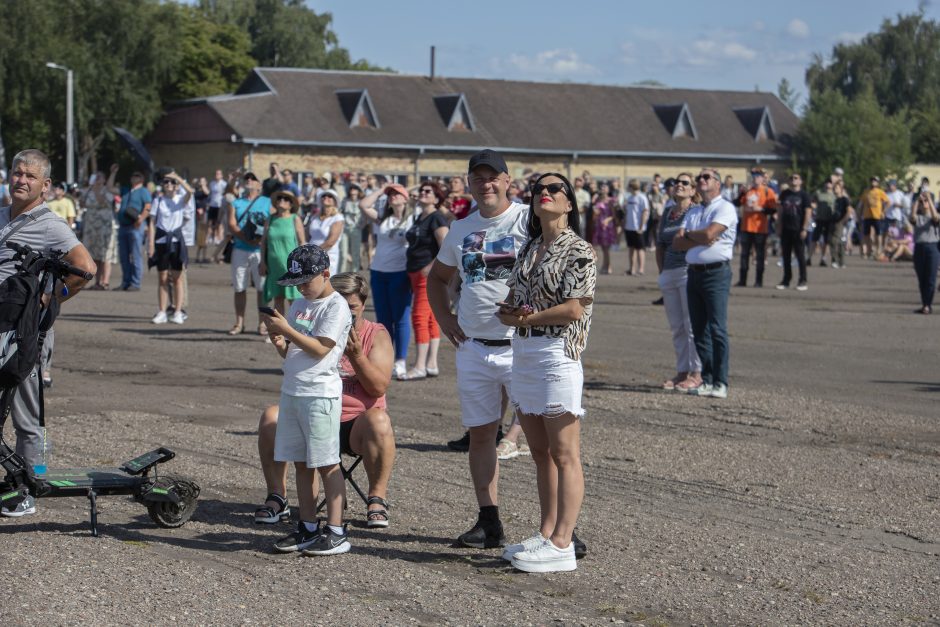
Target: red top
x=355 y=398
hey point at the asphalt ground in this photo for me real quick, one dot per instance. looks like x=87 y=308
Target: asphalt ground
x=810 y=496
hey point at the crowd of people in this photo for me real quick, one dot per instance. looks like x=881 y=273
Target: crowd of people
x=503 y=269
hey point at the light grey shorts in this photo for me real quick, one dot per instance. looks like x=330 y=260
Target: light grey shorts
x=308 y=430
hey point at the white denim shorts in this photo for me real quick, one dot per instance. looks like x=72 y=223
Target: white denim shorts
x=482 y=372
x=308 y=430
x=246 y=265
x=545 y=381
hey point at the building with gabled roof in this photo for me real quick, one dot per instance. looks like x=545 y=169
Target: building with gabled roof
x=412 y=126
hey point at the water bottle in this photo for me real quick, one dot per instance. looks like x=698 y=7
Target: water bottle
x=45 y=451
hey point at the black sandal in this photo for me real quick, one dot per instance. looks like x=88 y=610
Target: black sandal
x=376 y=517
x=267 y=515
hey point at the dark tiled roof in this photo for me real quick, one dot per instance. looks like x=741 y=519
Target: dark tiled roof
x=302 y=106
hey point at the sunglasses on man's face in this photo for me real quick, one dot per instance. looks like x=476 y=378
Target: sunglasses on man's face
x=169 y=182
x=553 y=188
x=705 y=177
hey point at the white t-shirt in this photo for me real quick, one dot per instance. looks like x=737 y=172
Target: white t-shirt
x=896 y=209
x=391 y=247
x=216 y=192
x=305 y=375
x=173 y=213
x=484 y=251
x=700 y=216
x=319 y=230
x=636 y=205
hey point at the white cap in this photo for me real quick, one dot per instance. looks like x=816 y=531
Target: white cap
x=839 y=171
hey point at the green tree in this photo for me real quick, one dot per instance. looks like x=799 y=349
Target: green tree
x=899 y=65
x=787 y=94
x=854 y=134
x=285 y=33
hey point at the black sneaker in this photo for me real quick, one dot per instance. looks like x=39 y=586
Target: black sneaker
x=580 y=548
x=328 y=543
x=483 y=536
x=461 y=444
x=299 y=540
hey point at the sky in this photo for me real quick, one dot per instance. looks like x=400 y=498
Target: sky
x=730 y=45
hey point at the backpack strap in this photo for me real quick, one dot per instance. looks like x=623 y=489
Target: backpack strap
x=31 y=216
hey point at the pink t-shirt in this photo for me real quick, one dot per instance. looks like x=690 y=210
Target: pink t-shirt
x=355 y=398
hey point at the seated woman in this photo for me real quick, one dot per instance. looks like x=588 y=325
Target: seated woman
x=899 y=245
x=365 y=428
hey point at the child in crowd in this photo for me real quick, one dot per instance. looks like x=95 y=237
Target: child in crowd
x=311 y=338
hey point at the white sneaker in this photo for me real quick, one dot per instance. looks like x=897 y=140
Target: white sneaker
x=506 y=450
x=399 y=369
x=178 y=317
x=18 y=507
x=546 y=558
x=526 y=545
x=705 y=389
x=719 y=390
x=160 y=318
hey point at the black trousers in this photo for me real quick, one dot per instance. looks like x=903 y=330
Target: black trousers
x=748 y=241
x=790 y=243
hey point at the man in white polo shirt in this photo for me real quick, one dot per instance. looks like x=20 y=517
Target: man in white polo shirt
x=482 y=248
x=707 y=234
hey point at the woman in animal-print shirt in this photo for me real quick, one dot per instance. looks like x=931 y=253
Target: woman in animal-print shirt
x=550 y=302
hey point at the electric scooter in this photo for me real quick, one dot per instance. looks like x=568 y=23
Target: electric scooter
x=170 y=499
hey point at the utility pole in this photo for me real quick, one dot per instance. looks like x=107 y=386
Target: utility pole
x=69 y=121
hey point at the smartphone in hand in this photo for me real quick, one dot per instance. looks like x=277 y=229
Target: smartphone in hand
x=267 y=311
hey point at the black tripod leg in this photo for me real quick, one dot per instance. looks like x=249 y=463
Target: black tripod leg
x=93 y=501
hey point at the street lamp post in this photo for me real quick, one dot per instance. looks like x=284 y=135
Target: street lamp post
x=69 y=122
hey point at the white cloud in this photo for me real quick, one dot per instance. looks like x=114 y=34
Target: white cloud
x=798 y=28
x=709 y=52
x=551 y=62
x=628 y=53
x=849 y=38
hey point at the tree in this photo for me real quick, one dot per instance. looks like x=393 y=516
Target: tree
x=787 y=94
x=854 y=134
x=899 y=65
x=285 y=33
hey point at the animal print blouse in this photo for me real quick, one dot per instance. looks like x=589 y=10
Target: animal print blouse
x=567 y=270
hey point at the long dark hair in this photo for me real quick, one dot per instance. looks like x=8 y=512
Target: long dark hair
x=535 y=226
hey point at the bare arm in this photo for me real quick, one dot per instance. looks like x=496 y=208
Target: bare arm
x=367 y=205
x=336 y=231
x=438 y=279
x=374 y=370
x=299 y=230
x=317 y=347
x=80 y=258
x=684 y=240
x=569 y=311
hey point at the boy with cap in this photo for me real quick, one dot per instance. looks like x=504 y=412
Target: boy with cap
x=312 y=338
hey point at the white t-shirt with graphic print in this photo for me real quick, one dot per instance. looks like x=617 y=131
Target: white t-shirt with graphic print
x=484 y=251
x=304 y=375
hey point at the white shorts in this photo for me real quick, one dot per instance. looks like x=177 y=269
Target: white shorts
x=308 y=430
x=244 y=264
x=482 y=372
x=545 y=381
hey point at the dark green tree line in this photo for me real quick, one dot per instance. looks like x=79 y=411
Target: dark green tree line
x=133 y=57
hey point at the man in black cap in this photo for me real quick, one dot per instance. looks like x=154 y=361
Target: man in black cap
x=482 y=248
x=246 y=217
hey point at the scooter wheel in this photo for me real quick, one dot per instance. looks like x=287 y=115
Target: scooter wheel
x=172 y=515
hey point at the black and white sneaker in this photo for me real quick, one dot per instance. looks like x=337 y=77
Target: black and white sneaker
x=328 y=543
x=299 y=540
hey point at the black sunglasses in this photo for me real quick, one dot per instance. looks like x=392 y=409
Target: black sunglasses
x=705 y=177
x=553 y=188
x=683 y=183
x=169 y=182
x=426 y=190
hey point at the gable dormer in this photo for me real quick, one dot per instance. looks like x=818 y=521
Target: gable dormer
x=677 y=119
x=454 y=112
x=255 y=83
x=757 y=122
x=357 y=108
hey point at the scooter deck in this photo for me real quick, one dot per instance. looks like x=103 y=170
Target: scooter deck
x=77 y=481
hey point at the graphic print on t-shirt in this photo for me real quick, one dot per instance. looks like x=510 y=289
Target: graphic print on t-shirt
x=488 y=257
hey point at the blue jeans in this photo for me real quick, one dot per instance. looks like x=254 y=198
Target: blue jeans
x=708 y=292
x=130 y=239
x=926 y=260
x=391 y=295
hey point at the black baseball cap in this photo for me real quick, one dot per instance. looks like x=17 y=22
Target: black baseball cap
x=249 y=175
x=489 y=158
x=304 y=263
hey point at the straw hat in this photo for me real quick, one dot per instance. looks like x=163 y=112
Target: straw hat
x=288 y=195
